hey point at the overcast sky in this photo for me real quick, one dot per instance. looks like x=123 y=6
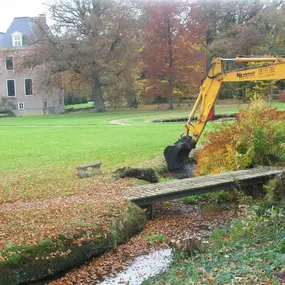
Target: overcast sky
x=19 y=8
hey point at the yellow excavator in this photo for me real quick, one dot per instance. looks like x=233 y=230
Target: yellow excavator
x=262 y=68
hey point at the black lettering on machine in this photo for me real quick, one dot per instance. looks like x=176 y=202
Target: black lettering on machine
x=243 y=75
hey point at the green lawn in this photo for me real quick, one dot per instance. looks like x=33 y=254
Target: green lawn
x=70 y=139
x=42 y=152
x=79 y=106
x=39 y=154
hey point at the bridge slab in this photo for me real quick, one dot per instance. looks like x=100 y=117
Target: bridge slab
x=152 y=193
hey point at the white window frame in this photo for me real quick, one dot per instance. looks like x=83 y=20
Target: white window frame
x=6 y=63
x=19 y=106
x=25 y=87
x=14 y=88
x=17 y=39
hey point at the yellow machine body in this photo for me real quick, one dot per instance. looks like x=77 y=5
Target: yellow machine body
x=264 y=68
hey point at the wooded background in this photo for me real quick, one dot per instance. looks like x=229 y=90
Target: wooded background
x=134 y=52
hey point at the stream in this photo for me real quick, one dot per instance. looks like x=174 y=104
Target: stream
x=175 y=220
x=142 y=268
x=146 y=266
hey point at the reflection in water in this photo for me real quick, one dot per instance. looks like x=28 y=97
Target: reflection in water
x=143 y=267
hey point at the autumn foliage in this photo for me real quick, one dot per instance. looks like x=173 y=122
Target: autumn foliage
x=172 y=54
x=257 y=138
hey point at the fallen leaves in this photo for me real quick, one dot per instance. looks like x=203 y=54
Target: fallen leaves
x=171 y=221
x=30 y=222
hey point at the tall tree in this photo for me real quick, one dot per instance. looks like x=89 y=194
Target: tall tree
x=90 y=38
x=271 y=22
x=231 y=28
x=172 y=52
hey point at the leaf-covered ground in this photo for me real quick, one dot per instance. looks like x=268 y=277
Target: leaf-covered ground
x=28 y=223
x=174 y=220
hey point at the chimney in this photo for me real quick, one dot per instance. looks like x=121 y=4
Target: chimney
x=42 y=19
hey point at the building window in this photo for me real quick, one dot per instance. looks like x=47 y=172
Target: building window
x=17 y=39
x=21 y=106
x=45 y=104
x=28 y=87
x=60 y=102
x=9 y=63
x=11 y=88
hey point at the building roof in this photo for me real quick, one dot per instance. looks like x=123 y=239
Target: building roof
x=1 y=36
x=24 y=25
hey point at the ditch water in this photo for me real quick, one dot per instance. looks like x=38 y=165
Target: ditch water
x=146 y=266
x=186 y=171
x=142 y=268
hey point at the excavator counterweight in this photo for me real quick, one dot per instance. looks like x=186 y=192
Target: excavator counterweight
x=261 y=68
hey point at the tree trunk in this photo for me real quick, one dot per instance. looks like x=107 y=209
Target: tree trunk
x=170 y=92
x=179 y=102
x=170 y=71
x=97 y=95
x=131 y=99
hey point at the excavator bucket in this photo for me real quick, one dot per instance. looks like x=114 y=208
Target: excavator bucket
x=176 y=155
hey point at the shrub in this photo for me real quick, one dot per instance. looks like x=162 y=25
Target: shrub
x=257 y=138
x=276 y=190
x=222 y=197
x=191 y=200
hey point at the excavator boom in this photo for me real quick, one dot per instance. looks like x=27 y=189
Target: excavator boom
x=262 y=68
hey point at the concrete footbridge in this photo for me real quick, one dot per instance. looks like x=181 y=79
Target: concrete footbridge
x=148 y=195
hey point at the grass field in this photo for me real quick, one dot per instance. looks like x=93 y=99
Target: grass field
x=39 y=154
x=79 y=106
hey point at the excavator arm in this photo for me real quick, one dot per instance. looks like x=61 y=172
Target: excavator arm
x=269 y=68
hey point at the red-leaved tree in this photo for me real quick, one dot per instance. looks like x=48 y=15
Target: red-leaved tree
x=173 y=55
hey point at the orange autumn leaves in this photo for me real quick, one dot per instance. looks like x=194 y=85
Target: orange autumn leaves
x=257 y=138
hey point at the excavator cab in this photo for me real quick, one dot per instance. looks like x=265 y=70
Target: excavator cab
x=176 y=155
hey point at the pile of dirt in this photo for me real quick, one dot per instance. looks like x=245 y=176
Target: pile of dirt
x=147 y=174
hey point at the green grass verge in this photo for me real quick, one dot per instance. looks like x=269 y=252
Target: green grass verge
x=79 y=106
x=247 y=252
